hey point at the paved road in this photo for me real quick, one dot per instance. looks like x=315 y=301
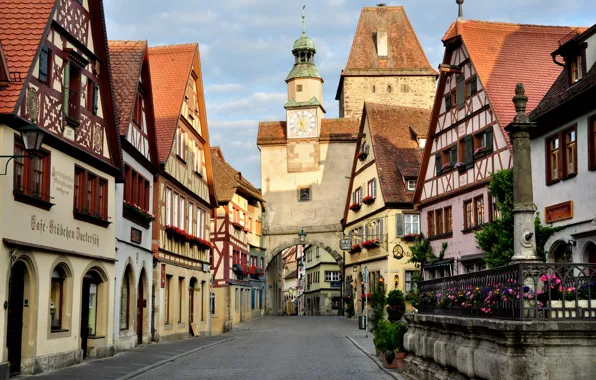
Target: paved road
x=271 y=348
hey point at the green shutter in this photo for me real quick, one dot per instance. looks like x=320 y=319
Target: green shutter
x=489 y=140
x=468 y=151
x=399 y=223
x=454 y=155
x=65 y=90
x=461 y=91
x=438 y=162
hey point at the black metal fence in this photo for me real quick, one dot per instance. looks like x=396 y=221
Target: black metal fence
x=526 y=291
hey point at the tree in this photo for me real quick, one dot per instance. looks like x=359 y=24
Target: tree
x=496 y=238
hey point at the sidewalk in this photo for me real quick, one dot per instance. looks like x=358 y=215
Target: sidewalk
x=127 y=364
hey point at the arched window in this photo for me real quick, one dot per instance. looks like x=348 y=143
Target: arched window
x=125 y=301
x=57 y=298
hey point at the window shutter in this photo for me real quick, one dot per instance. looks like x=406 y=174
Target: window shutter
x=461 y=95
x=381 y=228
x=438 y=162
x=95 y=98
x=468 y=150
x=374 y=187
x=454 y=155
x=489 y=140
x=66 y=88
x=399 y=223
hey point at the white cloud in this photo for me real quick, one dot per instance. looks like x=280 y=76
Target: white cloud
x=244 y=144
x=231 y=124
x=257 y=101
x=253 y=158
x=228 y=87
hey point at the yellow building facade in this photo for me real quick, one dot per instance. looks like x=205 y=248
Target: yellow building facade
x=322 y=294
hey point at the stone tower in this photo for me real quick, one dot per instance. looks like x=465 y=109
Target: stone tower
x=386 y=64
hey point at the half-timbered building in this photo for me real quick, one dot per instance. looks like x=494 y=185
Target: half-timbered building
x=467 y=143
x=57 y=229
x=183 y=194
x=379 y=213
x=238 y=253
x=564 y=152
x=133 y=103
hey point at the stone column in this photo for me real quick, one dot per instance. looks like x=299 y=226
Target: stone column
x=523 y=201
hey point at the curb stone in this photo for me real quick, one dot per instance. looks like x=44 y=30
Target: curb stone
x=173 y=358
x=377 y=361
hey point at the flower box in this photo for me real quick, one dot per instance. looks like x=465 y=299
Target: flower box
x=448 y=166
x=370 y=244
x=362 y=156
x=459 y=166
x=368 y=200
x=356 y=248
x=237 y=225
x=355 y=207
x=182 y=236
x=364 y=296
x=409 y=237
x=479 y=152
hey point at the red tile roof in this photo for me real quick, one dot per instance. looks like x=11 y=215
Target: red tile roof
x=396 y=151
x=126 y=59
x=344 y=129
x=404 y=53
x=228 y=180
x=22 y=25
x=170 y=69
x=505 y=54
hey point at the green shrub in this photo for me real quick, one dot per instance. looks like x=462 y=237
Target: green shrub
x=396 y=305
x=401 y=329
x=390 y=336
x=378 y=302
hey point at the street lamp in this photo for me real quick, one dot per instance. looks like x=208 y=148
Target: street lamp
x=302 y=236
x=32 y=137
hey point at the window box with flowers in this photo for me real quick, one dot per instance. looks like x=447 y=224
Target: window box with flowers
x=182 y=236
x=446 y=167
x=362 y=156
x=137 y=215
x=371 y=244
x=409 y=237
x=459 y=166
x=175 y=233
x=356 y=248
x=480 y=152
x=368 y=200
x=355 y=207
x=364 y=295
x=238 y=225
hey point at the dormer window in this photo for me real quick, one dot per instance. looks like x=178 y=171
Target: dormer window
x=576 y=69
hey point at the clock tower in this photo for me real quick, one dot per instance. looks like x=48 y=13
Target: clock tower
x=304 y=109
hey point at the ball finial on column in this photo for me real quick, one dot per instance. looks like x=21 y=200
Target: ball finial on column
x=460 y=14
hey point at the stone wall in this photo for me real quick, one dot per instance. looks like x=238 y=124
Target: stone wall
x=446 y=347
x=408 y=91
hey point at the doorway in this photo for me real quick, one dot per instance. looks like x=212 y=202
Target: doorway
x=89 y=295
x=14 y=335
x=191 y=304
x=141 y=305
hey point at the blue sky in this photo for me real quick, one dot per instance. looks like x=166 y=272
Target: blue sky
x=246 y=48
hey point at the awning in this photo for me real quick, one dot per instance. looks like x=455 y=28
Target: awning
x=440 y=264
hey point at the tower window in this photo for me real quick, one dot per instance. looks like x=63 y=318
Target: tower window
x=389 y=88
x=298 y=88
x=374 y=89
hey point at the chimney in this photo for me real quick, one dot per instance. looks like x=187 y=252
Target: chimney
x=382 y=43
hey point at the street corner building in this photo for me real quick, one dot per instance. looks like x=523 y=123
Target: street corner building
x=467 y=143
x=238 y=259
x=379 y=211
x=133 y=102
x=322 y=294
x=58 y=236
x=183 y=196
x=386 y=64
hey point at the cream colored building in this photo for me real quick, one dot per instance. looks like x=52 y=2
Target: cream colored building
x=57 y=228
x=322 y=294
x=305 y=160
x=386 y=64
x=379 y=213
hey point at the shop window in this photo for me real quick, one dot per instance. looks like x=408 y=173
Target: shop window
x=57 y=302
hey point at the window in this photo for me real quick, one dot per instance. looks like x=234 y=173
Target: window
x=200 y=223
x=439 y=221
x=411 y=224
x=374 y=89
x=471 y=86
x=461 y=92
x=124 y=302
x=57 y=298
x=405 y=88
x=431 y=223
x=372 y=188
x=479 y=210
x=410 y=284
x=447 y=159
x=167 y=292
x=190 y=225
x=592 y=143
x=91 y=194
x=317 y=254
x=168 y=207
x=411 y=185
x=332 y=276
x=389 y=88
x=483 y=142
x=576 y=68
x=357 y=196
x=561 y=164
x=180 y=298
x=494 y=212
x=198 y=160
x=137 y=115
x=468 y=214
x=32 y=175
x=72 y=92
x=450 y=100
x=175 y=209
x=181 y=145
x=212 y=297
x=45 y=65
x=448 y=220
x=298 y=88
x=304 y=194
x=136 y=188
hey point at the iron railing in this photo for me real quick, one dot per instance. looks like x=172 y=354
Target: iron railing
x=519 y=291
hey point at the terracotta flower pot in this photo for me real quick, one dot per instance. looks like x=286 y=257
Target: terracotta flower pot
x=399 y=359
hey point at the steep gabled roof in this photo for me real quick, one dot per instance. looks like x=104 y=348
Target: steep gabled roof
x=228 y=180
x=275 y=132
x=127 y=62
x=170 y=69
x=22 y=25
x=505 y=54
x=404 y=52
x=4 y=73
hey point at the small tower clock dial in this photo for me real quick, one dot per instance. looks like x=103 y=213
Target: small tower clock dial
x=302 y=124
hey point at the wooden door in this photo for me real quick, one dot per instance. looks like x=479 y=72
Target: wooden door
x=140 y=309
x=14 y=335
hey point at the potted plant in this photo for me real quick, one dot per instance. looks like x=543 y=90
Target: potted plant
x=368 y=200
x=355 y=207
x=396 y=305
x=400 y=352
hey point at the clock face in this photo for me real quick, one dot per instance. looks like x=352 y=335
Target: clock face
x=302 y=124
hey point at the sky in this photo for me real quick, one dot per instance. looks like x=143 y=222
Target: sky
x=246 y=48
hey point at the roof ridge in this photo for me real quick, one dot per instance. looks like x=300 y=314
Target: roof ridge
x=518 y=24
x=165 y=47
x=383 y=7
x=125 y=41
x=397 y=106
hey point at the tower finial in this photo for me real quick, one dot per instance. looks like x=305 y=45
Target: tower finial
x=303 y=21
x=460 y=14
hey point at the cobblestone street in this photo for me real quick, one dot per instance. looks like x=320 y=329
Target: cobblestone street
x=269 y=348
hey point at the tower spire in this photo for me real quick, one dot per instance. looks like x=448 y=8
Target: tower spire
x=303 y=21
x=460 y=14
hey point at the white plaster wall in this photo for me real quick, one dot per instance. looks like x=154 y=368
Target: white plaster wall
x=591 y=51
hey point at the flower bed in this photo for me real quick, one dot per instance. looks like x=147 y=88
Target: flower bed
x=370 y=244
x=135 y=212
x=368 y=200
x=355 y=207
x=182 y=236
